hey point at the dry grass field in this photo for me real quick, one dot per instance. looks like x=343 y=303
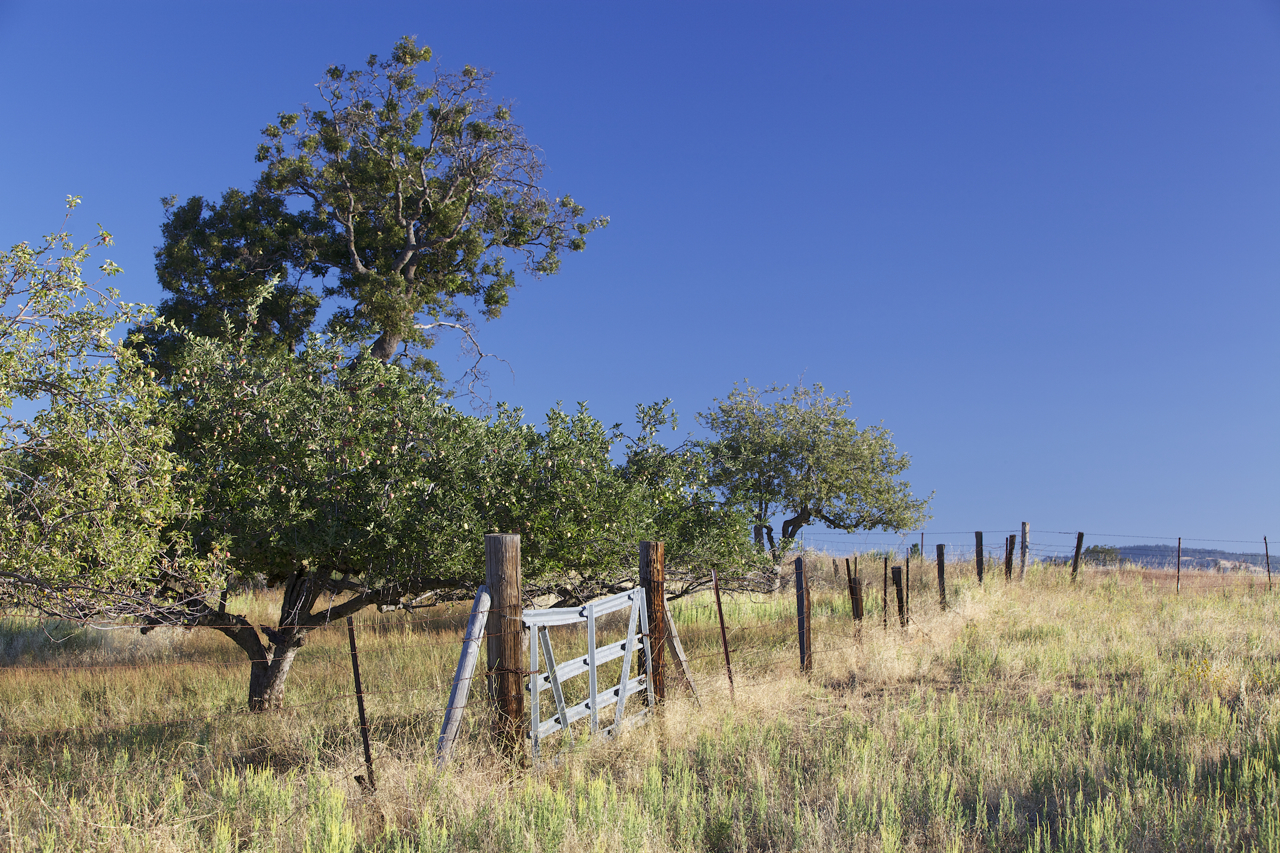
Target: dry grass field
x=1110 y=714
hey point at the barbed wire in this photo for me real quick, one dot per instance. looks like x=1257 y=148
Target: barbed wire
x=754 y=657
x=906 y=536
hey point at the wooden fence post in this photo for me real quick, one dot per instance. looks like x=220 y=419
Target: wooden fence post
x=803 y=617
x=681 y=659
x=855 y=589
x=364 y=723
x=1009 y=544
x=902 y=604
x=884 y=603
x=1075 y=562
x=977 y=549
x=1177 y=584
x=1026 y=546
x=906 y=583
x=942 y=576
x=653 y=579
x=505 y=631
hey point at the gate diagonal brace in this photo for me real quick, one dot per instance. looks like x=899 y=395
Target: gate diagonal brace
x=556 y=674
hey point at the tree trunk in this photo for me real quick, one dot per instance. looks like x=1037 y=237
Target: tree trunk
x=267 y=676
x=271 y=650
x=766 y=530
x=791 y=526
x=384 y=348
x=270 y=661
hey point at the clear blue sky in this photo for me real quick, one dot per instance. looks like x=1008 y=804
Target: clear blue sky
x=1039 y=241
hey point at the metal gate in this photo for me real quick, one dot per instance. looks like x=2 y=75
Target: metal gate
x=539 y=621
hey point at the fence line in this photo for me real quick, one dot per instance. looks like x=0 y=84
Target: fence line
x=762 y=656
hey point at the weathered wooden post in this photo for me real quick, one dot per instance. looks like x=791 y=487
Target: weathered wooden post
x=364 y=723
x=1026 y=546
x=855 y=589
x=653 y=579
x=505 y=632
x=902 y=604
x=977 y=549
x=942 y=576
x=803 y=617
x=884 y=603
x=1009 y=544
x=1075 y=562
x=682 y=660
x=906 y=583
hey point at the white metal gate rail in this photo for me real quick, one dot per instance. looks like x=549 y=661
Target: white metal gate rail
x=538 y=621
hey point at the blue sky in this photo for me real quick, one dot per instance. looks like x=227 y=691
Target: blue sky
x=1039 y=242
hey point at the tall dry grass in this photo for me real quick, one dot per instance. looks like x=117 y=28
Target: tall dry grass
x=1106 y=714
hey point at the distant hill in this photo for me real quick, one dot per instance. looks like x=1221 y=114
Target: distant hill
x=1165 y=556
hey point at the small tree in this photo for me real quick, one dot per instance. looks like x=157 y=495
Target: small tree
x=803 y=456
x=87 y=477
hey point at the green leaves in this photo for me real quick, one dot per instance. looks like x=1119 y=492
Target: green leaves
x=299 y=463
x=801 y=454
x=673 y=500
x=216 y=258
x=88 y=477
x=358 y=473
x=407 y=199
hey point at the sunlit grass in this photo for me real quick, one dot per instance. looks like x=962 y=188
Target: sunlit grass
x=1106 y=714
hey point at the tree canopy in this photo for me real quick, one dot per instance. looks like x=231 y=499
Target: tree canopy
x=346 y=482
x=405 y=202
x=351 y=483
x=88 y=492
x=801 y=455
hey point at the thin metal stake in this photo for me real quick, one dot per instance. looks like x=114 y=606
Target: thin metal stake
x=724 y=637
x=1267 y=550
x=364 y=724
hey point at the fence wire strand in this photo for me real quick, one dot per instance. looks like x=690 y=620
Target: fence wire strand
x=759 y=647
